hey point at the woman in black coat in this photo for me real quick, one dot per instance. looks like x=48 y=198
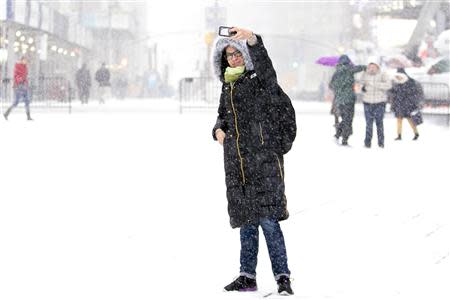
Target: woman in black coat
x=406 y=95
x=256 y=126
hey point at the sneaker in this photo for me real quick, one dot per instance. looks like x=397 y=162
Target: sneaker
x=416 y=136
x=242 y=284
x=381 y=145
x=367 y=145
x=284 y=286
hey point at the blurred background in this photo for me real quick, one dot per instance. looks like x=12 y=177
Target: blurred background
x=155 y=49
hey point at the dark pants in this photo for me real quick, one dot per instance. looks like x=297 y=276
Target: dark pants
x=275 y=244
x=83 y=93
x=374 y=112
x=21 y=94
x=344 y=128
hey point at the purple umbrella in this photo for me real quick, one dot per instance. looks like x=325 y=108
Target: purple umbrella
x=330 y=61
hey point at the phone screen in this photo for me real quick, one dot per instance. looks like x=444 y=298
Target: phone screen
x=225 y=31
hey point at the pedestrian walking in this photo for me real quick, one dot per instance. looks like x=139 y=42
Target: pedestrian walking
x=103 y=76
x=256 y=126
x=21 y=88
x=83 y=80
x=406 y=95
x=342 y=84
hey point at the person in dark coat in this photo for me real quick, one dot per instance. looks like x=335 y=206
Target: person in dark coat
x=83 y=79
x=344 y=96
x=104 y=85
x=406 y=95
x=256 y=126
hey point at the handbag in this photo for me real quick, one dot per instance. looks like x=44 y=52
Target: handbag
x=416 y=117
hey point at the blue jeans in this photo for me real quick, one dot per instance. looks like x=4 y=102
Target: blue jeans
x=21 y=92
x=374 y=112
x=275 y=244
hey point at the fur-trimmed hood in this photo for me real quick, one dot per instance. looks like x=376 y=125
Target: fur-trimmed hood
x=219 y=60
x=400 y=78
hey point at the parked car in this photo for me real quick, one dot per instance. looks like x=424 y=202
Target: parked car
x=435 y=80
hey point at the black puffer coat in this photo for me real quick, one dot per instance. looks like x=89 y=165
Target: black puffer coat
x=252 y=113
x=406 y=96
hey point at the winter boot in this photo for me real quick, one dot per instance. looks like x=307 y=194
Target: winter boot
x=284 y=286
x=416 y=136
x=29 y=116
x=242 y=284
x=399 y=137
x=6 y=114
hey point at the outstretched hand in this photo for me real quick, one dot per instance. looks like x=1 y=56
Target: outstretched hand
x=241 y=34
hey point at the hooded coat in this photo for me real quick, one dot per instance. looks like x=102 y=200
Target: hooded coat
x=253 y=115
x=102 y=76
x=343 y=80
x=406 y=95
x=375 y=86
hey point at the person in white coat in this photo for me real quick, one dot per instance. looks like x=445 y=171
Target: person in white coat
x=375 y=84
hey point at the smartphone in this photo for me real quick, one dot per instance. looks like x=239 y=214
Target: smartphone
x=226 y=31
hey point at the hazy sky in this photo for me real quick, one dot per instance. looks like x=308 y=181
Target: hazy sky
x=177 y=28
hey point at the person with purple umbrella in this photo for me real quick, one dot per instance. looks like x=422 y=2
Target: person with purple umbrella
x=344 y=96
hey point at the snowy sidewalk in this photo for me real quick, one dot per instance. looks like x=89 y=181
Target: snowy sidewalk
x=126 y=205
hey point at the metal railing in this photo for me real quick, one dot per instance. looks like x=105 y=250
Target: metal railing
x=436 y=99
x=44 y=92
x=199 y=93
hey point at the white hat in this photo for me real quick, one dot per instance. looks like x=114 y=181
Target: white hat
x=374 y=60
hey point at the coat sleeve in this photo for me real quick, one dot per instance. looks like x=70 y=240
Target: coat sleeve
x=287 y=121
x=332 y=84
x=357 y=69
x=385 y=83
x=419 y=94
x=220 y=122
x=263 y=65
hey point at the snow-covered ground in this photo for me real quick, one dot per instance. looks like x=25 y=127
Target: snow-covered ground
x=127 y=201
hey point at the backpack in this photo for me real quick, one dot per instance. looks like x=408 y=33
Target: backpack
x=288 y=125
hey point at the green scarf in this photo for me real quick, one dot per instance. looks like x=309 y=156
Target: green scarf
x=232 y=74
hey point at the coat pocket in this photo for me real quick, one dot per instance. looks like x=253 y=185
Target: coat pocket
x=261 y=135
x=280 y=166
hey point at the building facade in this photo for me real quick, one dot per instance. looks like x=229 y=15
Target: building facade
x=58 y=36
